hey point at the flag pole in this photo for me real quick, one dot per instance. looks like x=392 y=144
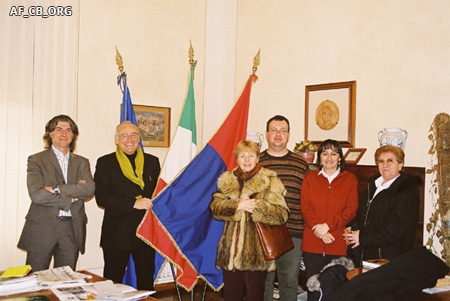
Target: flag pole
x=172 y=267
x=191 y=54
x=256 y=61
x=191 y=62
x=122 y=77
x=119 y=61
x=127 y=114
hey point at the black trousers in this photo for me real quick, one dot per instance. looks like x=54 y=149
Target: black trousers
x=240 y=284
x=116 y=261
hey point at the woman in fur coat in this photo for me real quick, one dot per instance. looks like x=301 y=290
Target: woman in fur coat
x=247 y=194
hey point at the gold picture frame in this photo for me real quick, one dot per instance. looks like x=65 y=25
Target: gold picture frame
x=154 y=125
x=330 y=112
x=353 y=155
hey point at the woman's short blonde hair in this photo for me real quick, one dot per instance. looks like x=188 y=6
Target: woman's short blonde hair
x=397 y=151
x=246 y=146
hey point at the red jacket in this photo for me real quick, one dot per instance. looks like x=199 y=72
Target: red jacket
x=335 y=204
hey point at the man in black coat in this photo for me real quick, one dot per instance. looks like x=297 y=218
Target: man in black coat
x=125 y=181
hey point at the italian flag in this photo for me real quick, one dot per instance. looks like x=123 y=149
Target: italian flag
x=182 y=150
x=184 y=144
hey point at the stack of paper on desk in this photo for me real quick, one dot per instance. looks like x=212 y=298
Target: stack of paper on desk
x=60 y=276
x=14 y=281
x=68 y=285
x=16 y=285
x=102 y=290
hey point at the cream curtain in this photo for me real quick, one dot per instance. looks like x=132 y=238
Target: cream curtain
x=38 y=80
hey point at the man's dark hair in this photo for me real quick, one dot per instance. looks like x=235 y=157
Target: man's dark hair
x=51 y=125
x=278 y=118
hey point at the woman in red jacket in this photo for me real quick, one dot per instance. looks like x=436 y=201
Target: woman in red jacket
x=329 y=202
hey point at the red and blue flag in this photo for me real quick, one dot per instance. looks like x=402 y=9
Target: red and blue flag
x=184 y=230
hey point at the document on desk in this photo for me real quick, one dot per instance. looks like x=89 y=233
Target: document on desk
x=119 y=291
x=102 y=290
x=60 y=276
x=19 y=285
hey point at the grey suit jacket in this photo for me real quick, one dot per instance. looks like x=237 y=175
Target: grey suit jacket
x=44 y=170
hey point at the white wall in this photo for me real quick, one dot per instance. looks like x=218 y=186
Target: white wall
x=153 y=38
x=397 y=51
x=38 y=80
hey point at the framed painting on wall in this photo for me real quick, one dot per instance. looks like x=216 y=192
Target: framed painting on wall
x=154 y=125
x=330 y=112
x=353 y=155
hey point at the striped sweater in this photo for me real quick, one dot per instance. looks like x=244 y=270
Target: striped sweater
x=291 y=170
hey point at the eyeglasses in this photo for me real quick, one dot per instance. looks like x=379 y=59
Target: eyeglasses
x=387 y=161
x=275 y=131
x=133 y=136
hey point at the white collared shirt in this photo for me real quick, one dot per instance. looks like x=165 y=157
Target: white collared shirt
x=63 y=161
x=380 y=186
x=332 y=177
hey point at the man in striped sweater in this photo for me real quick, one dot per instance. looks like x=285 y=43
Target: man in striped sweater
x=291 y=169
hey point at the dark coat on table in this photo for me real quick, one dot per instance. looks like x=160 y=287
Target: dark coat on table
x=401 y=279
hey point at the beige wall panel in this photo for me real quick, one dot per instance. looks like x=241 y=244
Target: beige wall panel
x=397 y=51
x=153 y=38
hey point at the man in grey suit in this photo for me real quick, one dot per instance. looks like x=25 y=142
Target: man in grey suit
x=59 y=182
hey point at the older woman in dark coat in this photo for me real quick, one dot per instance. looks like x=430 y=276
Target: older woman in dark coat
x=388 y=211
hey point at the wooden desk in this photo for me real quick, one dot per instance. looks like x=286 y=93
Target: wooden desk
x=48 y=293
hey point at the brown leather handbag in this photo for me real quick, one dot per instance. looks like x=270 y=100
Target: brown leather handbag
x=275 y=240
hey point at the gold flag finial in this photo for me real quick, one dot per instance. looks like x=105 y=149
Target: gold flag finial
x=119 y=61
x=256 y=61
x=191 y=53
